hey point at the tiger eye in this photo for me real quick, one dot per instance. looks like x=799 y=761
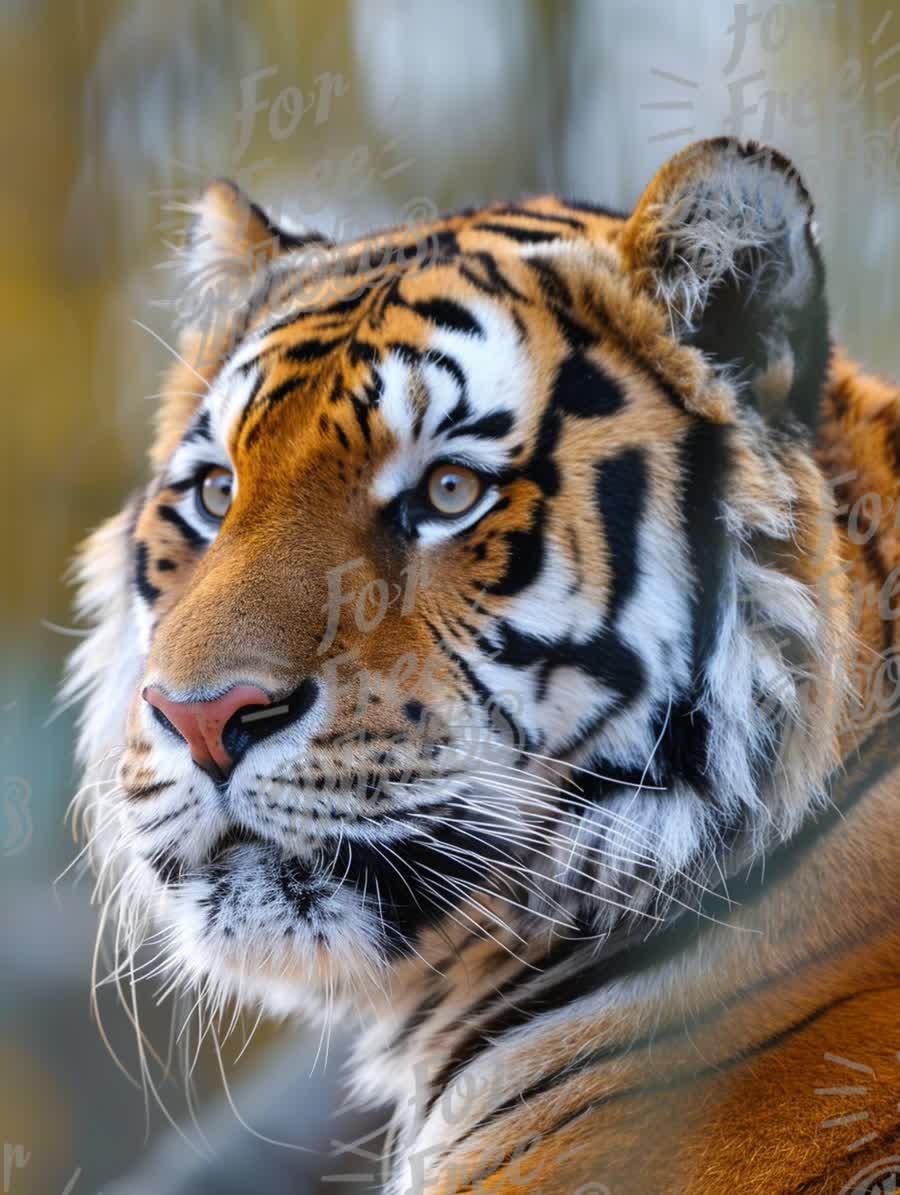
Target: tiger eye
x=453 y=489
x=215 y=493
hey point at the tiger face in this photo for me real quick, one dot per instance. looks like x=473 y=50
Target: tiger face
x=474 y=596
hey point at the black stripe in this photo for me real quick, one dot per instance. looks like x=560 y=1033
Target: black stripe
x=361 y=411
x=894 y=445
x=681 y=732
x=448 y=364
x=459 y=413
x=279 y=393
x=291 y=317
x=288 y=239
x=477 y=686
x=872 y=555
x=148 y=790
x=361 y=351
x=621 y=491
x=291 y=240
x=406 y=352
x=416 y=358
x=148 y=591
x=704 y=455
x=550 y=217
x=552 y=284
x=410 y=896
x=439 y=246
x=156 y=823
x=599 y=313
x=496 y=282
x=170 y=515
x=582 y=388
x=419 y=420
x=524 y=556
x=257 y=302
x=345 y=306
x=448 y=314
x=496 y=275
x=604 y=657
x=251 y=399
x=417 y=1018
x=199 y=429
x=526 y=236
x=575 y=334
x=542 y=468
x=489 y=427
x=313 y=350
x=186 y=483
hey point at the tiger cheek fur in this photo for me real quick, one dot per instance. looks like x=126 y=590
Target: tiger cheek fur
x=486 y=607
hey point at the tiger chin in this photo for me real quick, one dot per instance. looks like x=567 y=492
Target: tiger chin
x=486 y=659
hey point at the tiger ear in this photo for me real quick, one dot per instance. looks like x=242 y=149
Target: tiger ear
x=725 y=237
x=229 y=248
x=229 y=228
x=230 y=245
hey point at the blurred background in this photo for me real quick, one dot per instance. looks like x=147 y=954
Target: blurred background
x=341 y=116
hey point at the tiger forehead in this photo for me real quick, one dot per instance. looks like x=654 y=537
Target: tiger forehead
x=476 y=332
x=449 y=326
x=462 y=387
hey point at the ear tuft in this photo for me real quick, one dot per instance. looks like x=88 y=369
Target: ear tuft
x=725 y=237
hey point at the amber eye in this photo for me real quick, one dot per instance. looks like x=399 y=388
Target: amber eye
x=214 y=493
x=453 y=489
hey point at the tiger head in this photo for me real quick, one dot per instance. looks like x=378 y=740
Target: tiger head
x=476 y=594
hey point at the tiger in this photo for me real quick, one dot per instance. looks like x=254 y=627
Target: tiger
x=501 y=660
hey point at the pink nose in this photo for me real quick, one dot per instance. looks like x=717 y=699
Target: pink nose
x=202 y=723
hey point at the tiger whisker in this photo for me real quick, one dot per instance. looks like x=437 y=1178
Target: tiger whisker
x=584 y=894
x=156 y=336
x=236 y=1113
x=531 y=843
x=513 y=863
x=377 y=848
x=583 y=770
x=459 y=852
x=670 y=896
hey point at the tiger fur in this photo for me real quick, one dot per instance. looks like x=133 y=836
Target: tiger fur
x=549 y=804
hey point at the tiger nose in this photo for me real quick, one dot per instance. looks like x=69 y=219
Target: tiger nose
x=202 y=724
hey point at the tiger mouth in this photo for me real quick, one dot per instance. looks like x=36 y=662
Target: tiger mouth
x=236 y=836
x=171 y=869
x=389 y=893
